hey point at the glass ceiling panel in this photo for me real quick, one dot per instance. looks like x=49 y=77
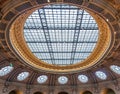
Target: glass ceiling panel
x=61 y=34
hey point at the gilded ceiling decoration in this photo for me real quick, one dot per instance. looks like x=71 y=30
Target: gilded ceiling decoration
x=18 y=63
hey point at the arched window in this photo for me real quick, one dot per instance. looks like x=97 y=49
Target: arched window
x=38 y=92
x=107 y=91
x=87 y=92
x=62 y=92
x=15 y=92
x=110 y=91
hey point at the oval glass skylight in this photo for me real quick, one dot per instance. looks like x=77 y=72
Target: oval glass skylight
x=83 y=78
x=42 y=79
x=22 y=76
x=101 y=75
x=5 y=70
x=61 y=34
x=62 y=79
x=115 y=69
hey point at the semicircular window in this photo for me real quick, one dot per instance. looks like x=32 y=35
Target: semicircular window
x=61 y=34
x=42 y=79
x=62 y=79
x=83 y=78
x=5 y=70
x=22 y=76
x=101 y=75
x=115 y=69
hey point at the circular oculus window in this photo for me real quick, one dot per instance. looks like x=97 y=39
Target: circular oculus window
x=62 y=79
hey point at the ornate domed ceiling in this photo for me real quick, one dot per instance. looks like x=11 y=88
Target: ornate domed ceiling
x=59 y=42
x=49 y=42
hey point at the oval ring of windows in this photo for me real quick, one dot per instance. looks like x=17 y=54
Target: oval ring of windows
x=5 y=70
x=101 y=75
x=22 y=76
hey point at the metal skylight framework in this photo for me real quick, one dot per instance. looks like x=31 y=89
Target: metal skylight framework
x=61 y=34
